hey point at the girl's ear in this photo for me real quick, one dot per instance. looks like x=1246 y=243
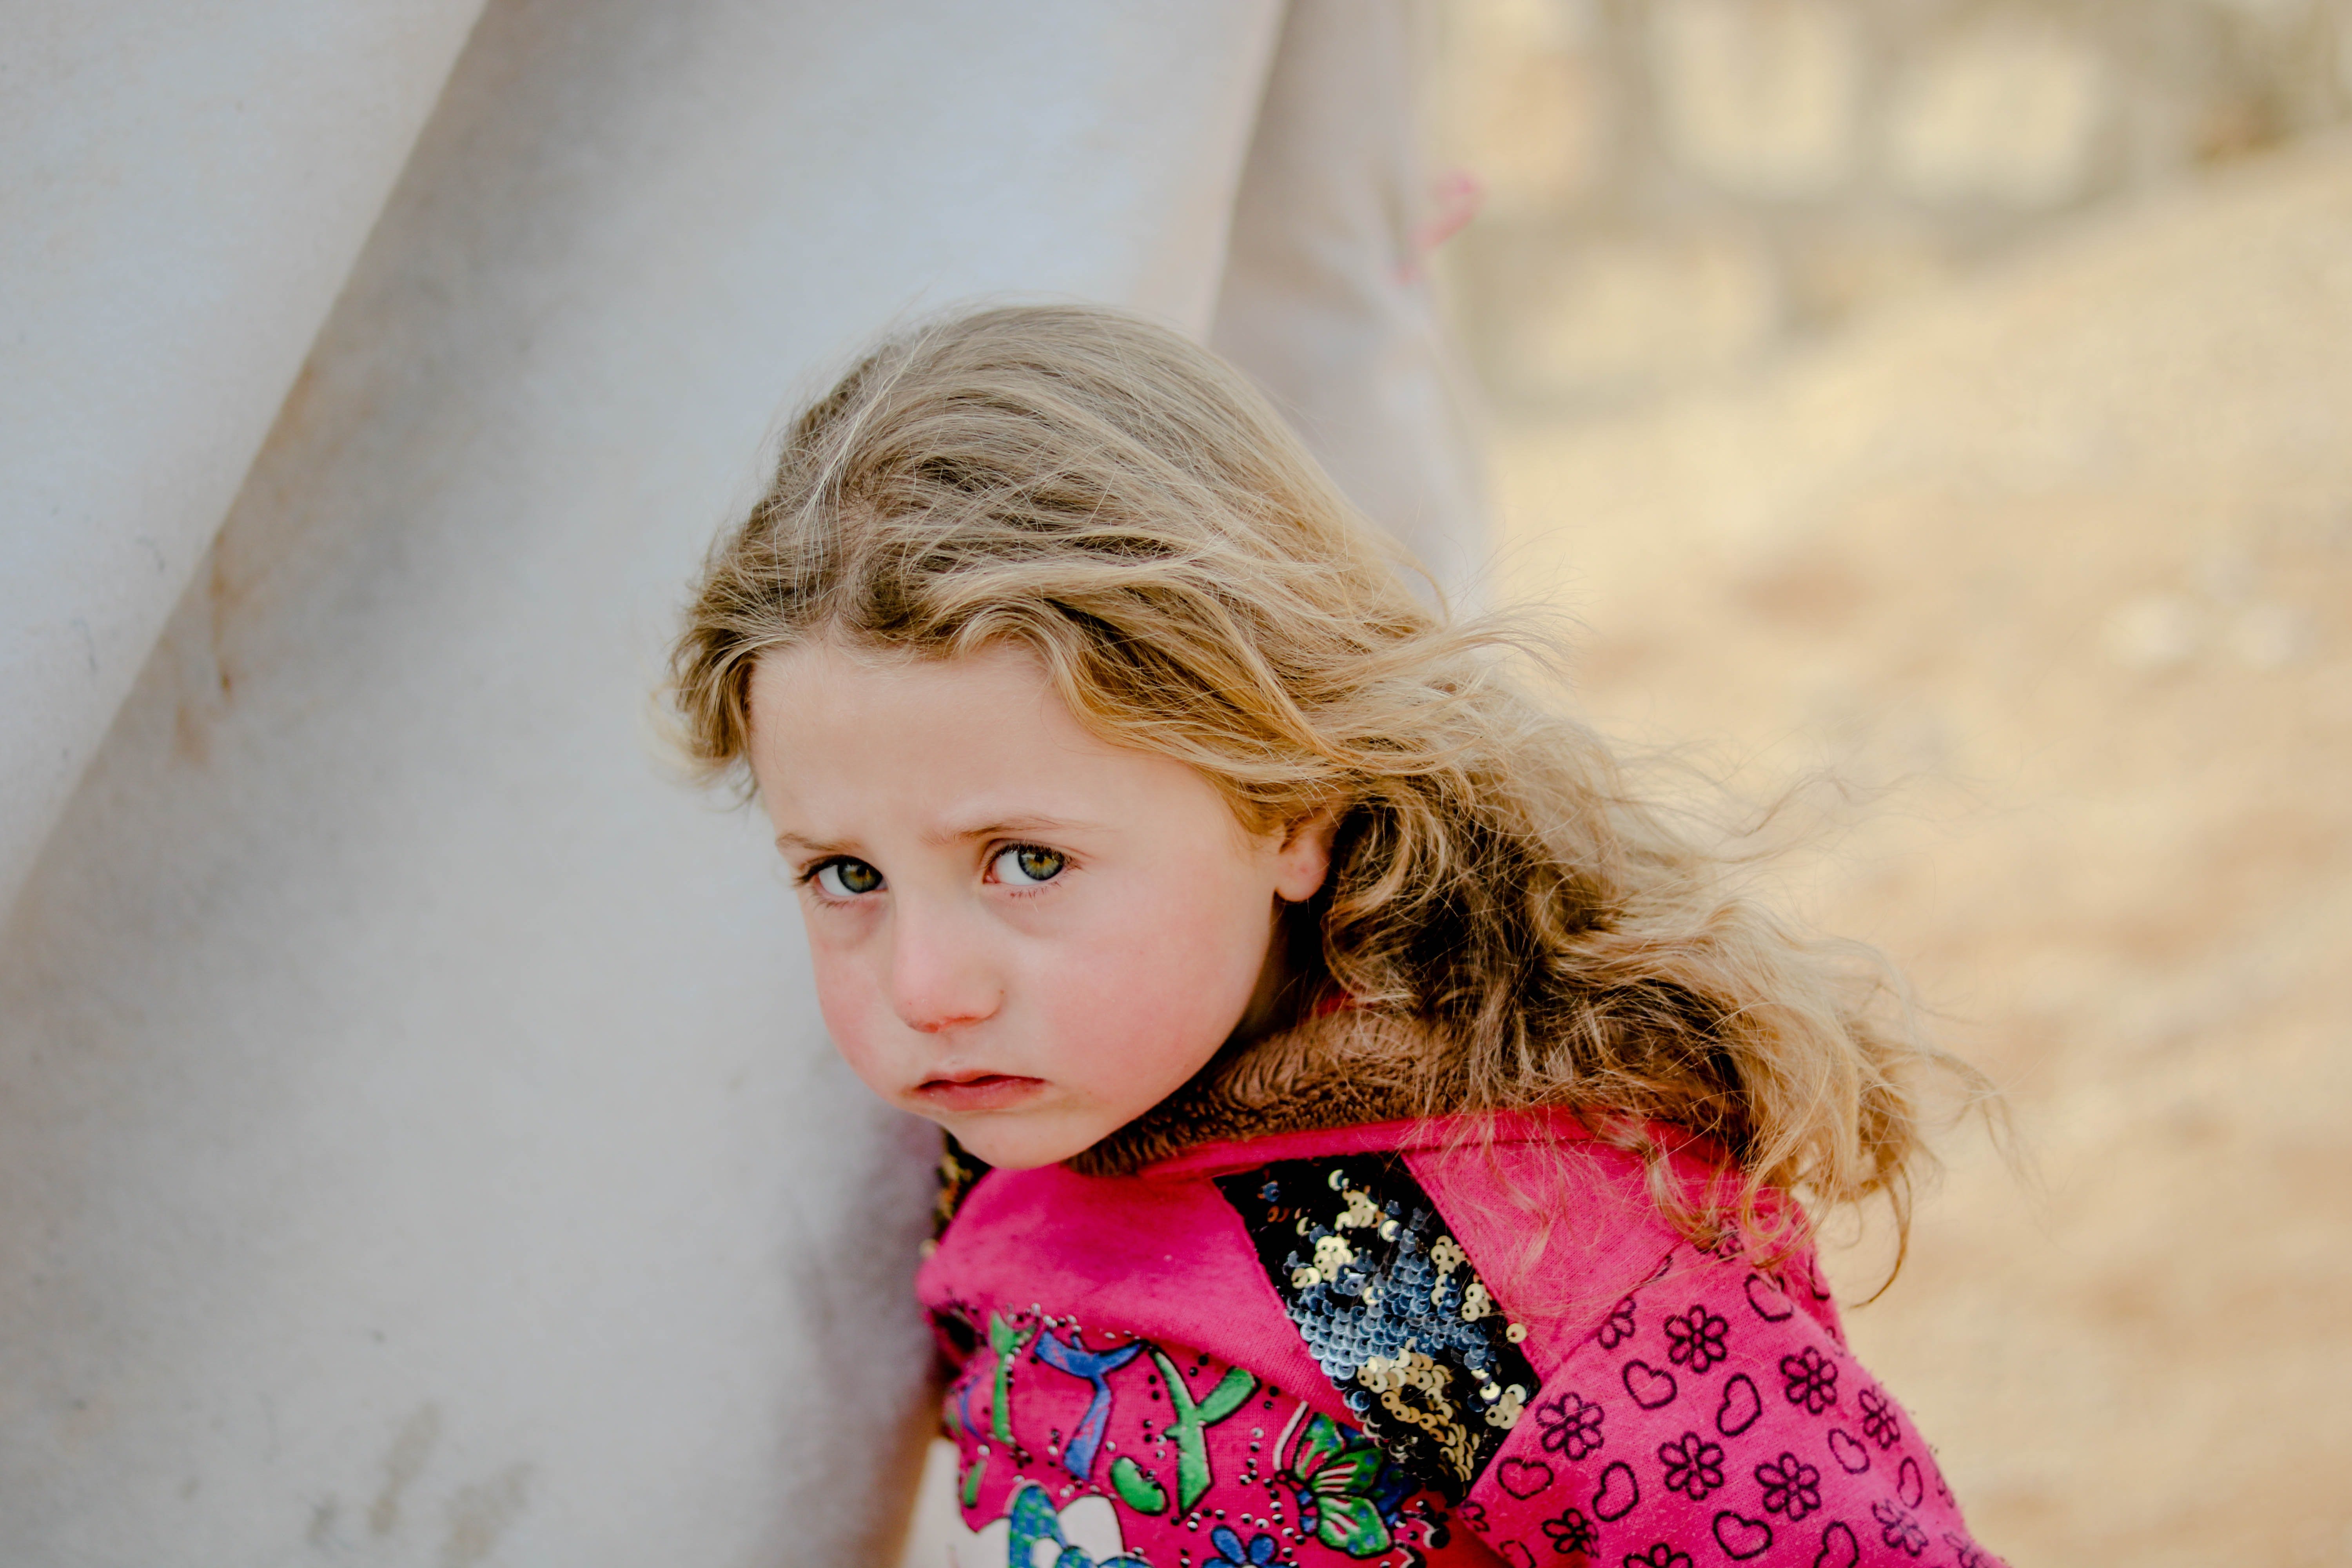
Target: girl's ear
x=1305 y=858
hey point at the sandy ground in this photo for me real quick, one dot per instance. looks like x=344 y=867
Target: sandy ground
x=2059 y=566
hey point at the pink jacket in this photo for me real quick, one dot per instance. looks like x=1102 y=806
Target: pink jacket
x=1357 y=1346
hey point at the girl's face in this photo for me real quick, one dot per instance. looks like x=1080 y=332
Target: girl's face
x=1022 y=932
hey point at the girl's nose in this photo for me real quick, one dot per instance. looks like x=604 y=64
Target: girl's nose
x=939 y=973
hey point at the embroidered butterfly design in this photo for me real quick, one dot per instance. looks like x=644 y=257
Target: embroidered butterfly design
x=1348 y=1489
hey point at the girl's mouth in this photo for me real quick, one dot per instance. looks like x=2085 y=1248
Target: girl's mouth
x=981 y=1091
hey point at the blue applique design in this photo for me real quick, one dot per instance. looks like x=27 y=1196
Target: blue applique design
x=1093 y=1367
x=1231 y=1553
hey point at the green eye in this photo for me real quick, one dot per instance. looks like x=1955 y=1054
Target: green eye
x=1025 y=865
x=846 y=878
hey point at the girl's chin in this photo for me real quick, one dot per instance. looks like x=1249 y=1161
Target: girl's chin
x=1013 y=1142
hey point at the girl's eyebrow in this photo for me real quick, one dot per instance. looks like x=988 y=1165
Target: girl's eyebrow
x=1002 y=827
x=1011 y=827
x=789 y=841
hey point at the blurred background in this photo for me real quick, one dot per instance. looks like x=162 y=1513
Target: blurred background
x=1957 y=397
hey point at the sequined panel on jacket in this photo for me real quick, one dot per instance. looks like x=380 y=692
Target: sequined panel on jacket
x=1391 y=1308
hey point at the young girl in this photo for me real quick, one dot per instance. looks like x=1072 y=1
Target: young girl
x=1373 y=1138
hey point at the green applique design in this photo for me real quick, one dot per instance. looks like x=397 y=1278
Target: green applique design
x=1006 y=1342
x=1136 y=1488
x=1193 y=1417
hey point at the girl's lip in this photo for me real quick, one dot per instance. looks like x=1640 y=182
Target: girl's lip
x=981 y=1091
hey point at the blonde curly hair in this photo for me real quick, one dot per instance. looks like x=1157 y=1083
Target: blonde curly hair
x=1127 y=507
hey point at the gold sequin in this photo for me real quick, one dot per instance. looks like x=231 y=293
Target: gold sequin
x=1507 y=1405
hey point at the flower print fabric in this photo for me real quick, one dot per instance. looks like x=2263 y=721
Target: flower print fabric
x=1571 y=1425
x=1728 y=1424
x=1812 y=1378
x=1790 y=1487
x=1339 y=1347
x=1694 y=1466
x=1696 y=1339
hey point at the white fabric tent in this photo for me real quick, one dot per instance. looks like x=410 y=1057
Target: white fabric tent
x=417 y=1144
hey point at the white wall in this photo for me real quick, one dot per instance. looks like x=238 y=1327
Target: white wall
x=416 y=1142
x=416 y=1145
x=182 y=190
x=1326 y=297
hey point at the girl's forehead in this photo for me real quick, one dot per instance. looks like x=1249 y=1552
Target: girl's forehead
x=826 y=673
x=993 y=713
x=983 y=736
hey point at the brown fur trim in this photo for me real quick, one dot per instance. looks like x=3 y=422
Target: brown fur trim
x=1342 y=1070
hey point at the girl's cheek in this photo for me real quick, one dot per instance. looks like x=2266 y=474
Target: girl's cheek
x=857 y=1041
x=845 y=996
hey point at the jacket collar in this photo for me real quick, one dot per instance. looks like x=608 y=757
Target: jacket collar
x=1347 y=1068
